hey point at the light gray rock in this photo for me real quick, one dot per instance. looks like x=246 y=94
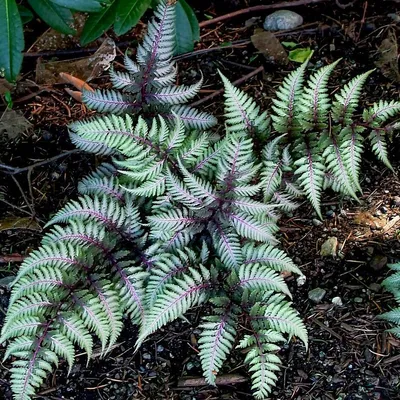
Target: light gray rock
x=337 y=301
x=329 y=247
x=316 y=295
x=301 y=280
x=281 y=20
x=375 y=287
x=378 y=262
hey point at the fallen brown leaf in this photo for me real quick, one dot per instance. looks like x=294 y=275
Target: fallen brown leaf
x=268 y=45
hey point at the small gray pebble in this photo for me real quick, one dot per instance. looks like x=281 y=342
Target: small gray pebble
x=146 y=356
x=375 y=287
x=358 y=300
x=160 y=348
x=337 y=301
x=281 y=20
x=330 y=213
x=317 y=222
x=316 y=295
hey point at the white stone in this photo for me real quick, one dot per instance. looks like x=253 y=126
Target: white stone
x=282 y=20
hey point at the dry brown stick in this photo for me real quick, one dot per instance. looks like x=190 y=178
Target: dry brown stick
x=228 y=379
x=236 y=44
x=235 y=83
x=331 y=331
x=11 y=258
x=248 y=10
x=6 y=169
x=30 y=205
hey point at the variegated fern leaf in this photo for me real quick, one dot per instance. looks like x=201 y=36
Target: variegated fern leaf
x=147 y=87
x=326 y=138
x=78 y=284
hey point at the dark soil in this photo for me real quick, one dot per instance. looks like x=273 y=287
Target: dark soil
x=350 y=355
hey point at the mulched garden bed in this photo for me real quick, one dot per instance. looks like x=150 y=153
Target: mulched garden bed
x=350 y=355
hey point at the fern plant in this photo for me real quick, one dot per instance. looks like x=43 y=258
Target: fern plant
x=323 y=139
x=177 y=219
x=181 y=217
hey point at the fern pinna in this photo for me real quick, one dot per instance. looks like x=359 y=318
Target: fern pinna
x=177 y=219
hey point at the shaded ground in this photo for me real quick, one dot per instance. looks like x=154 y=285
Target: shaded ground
x=350 y=355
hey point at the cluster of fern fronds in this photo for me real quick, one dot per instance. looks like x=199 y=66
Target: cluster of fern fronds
x=182 y=217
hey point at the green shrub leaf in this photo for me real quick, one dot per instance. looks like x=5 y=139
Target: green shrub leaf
x=98 y=23
x=59 y=18
x=12 y=39
x=187 y=28
x=25 y=14
x=129 y=13
x=82 y=5
x=300 y=55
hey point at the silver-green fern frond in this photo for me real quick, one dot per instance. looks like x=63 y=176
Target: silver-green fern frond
x=148 y=86
x=217 y=337
x=392 y=285
x=262 y=360
x=187 y=291
x=242 y=114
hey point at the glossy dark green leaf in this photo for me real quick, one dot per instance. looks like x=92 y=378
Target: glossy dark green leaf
x=25 y=14
x=194 y=23
x=129 y=13
x=187 y=28
x=98 y=23
x=12 y=39
x=59 y=18
x=81 y=5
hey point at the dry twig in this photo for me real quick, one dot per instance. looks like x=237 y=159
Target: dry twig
x=248 y=10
